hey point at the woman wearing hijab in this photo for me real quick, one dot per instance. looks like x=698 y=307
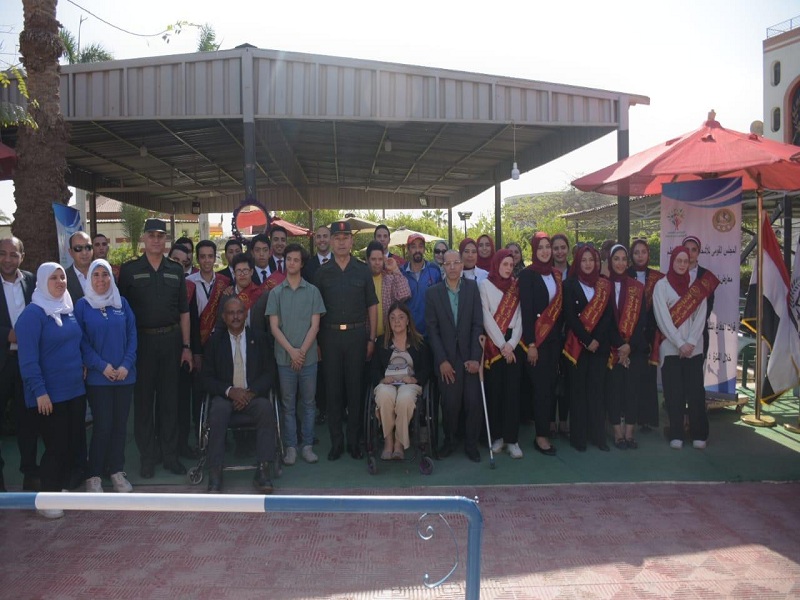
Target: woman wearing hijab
x=680 y=310
x=516 y=254
x=590 y=334
x=648 y=395
x=560 y=246
x=49 y=340
x=109 y=353
x=628 y=361
x=502 y=355
x=485 y=246
x=468 y=249
x=541 y=298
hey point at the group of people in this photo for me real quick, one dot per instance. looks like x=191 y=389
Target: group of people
x=569 y=347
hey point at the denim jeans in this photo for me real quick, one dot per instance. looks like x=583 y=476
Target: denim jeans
x=111 y=405
x=298 y=388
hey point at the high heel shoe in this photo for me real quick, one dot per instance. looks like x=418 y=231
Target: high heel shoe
x=551 y=451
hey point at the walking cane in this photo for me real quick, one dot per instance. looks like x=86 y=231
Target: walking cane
x=482 y=340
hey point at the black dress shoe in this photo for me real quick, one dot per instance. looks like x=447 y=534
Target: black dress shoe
x=188 y=452
x=473 y=454
x=261 y=480
x=579 y=447
x=336 y=452
x=447 y=449
x=148 y=471
x=355 y=452
x=175 y=467
x=603 y=447
x=551 y=451
x=215 y=479
x=31 y=483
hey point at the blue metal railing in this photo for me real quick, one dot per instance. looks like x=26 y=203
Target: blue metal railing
x=250 y=503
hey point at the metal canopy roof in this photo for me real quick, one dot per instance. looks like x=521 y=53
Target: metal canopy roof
x=162 y=132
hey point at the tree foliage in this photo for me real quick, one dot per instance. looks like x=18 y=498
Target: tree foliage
x=207 y=40
x=75 y=54
x=133 y=219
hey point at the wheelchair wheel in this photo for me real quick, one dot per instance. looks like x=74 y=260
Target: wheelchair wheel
x=195 y=475
x=426 y=465
x=372 y=465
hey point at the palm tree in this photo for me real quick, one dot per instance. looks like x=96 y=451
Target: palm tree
x=39 y=175
x=207 y=40
x=88 y=54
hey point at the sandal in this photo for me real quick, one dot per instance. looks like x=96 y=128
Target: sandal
x=632 y=444
x=386 y=455
x=398 y=455
x=621 y=444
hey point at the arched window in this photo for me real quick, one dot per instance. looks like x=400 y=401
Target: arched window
x=775 y=77
x=776 y=119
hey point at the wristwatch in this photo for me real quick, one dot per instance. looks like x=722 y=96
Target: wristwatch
x=187 y=346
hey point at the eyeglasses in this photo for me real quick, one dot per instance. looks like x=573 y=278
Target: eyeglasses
x=243 y=271
x=81 y=248
x=439 y=251
x=450 y=265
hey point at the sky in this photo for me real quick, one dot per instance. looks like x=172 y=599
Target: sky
x=687 y=56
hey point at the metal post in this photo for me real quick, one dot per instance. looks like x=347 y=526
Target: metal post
x=449 y=226
x=93 y=212
x=498 y=229
x=623 y=151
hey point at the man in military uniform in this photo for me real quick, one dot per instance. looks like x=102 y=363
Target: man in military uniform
x=156 y=290
x=347 y=336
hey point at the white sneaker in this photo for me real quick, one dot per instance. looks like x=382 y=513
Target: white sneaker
x=514 y=450
x=94 y=485
x=676 y=444
x=497 y=445
x=290 y=457
x=308 y=454
x=699 y=444
x=50 y=513
x=121 y=483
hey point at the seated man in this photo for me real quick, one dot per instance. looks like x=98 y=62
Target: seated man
x=238 y=372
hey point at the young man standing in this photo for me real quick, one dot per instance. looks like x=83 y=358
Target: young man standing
x=277 y=237
x=259 y=248
x=383 y=236
x=232 y=248
x=421 y=275
x=322 y=242
x=294 y=309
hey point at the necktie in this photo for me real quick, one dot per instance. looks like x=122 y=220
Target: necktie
x=263 y=275
x=238 y=364
x=280 y=265
x=324 y=260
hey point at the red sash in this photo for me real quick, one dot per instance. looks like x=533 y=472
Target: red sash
x=208 y=318
x=701 y=289
x=549 y=317
x=502 y=316
x=190 y=287
x=631 y=295
x=248 y=296
x=590 y=317
x=650 y=281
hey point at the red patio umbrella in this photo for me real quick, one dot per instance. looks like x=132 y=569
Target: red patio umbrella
x=254 y=218
x=707 y=153
x=8 y=160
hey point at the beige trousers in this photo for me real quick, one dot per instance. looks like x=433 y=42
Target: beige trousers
x=394 y=406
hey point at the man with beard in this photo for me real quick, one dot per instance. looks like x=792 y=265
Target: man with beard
x=421 y=275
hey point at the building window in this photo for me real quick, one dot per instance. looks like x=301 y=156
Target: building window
x=775 y=78
x=794 y=137
x=776 y=119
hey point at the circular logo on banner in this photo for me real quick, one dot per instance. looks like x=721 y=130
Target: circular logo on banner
x=723 y=220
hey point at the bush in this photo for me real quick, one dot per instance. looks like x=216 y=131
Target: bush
x=117 y=256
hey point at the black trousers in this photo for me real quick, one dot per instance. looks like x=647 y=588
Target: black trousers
x=344 y=355
x=587 y=411
x=563 y=388
x=648 y=404
x=188 y=405
x=462 y=396
x=623 y=390
x=59 y=432
x=503 y=397
x=157 y=365
x=11 y=390
x=258 y=412
x=543 y=377
x=682 y=379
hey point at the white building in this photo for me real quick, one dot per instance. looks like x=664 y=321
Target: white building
x=782 y=82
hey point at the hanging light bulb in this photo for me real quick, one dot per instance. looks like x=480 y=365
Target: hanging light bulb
x=142 y=150
x=515 y=168
x=515 y=172
x=387 y=145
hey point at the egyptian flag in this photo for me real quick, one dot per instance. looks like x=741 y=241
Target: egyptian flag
x=781 y=311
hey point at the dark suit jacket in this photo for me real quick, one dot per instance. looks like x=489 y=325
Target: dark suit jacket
x=451 y=341
x=534 y=300
x=226 y=272
x=311 y=266
x=74 y=286
x=256 y=278
x=218 y=363
x=605 y=332
x=28 y=285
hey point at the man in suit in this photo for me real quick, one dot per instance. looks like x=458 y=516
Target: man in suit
x=278 y=237
x=81 y=251
x=238 y=372
x=260 y=249
x=322 y=242
x=18 y=288
x=232 y=248
x=455 y=322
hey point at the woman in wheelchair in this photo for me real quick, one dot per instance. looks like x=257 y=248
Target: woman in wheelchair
x=399 y=370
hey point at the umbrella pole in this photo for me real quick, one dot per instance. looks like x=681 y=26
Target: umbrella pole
x=757 y=419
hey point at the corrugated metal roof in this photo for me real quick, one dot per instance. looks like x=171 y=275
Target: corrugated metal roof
x=321 y=128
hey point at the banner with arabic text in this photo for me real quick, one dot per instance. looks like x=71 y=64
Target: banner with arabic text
x=711 y=210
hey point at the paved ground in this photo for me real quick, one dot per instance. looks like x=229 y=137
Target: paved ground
x=622 y=540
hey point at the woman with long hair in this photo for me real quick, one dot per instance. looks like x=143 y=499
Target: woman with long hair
x=541 y=297
x=648 y=395
x=516 y=254
x=590 y=334
x=109 y=353
x=399 y=370
x=628 y=361
x=680 y=310
x=502 y=354
x=485 y=251
x=50 y=363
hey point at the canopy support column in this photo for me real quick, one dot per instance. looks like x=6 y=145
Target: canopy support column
x=498 y=229
x=249 y=129
x=449 y=226
x=623 y=151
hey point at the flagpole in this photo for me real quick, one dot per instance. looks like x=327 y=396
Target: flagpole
x=757 y=420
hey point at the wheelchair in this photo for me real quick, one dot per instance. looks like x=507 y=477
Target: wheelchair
x=422 y=431
x=238 y=422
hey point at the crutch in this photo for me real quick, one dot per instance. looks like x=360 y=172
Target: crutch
x=482 y=340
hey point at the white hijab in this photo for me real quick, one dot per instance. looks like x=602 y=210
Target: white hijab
x=52 y=307
x=111 y=297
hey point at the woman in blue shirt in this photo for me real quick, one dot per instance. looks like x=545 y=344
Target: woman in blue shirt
x=49 y=340
x=109 y=353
